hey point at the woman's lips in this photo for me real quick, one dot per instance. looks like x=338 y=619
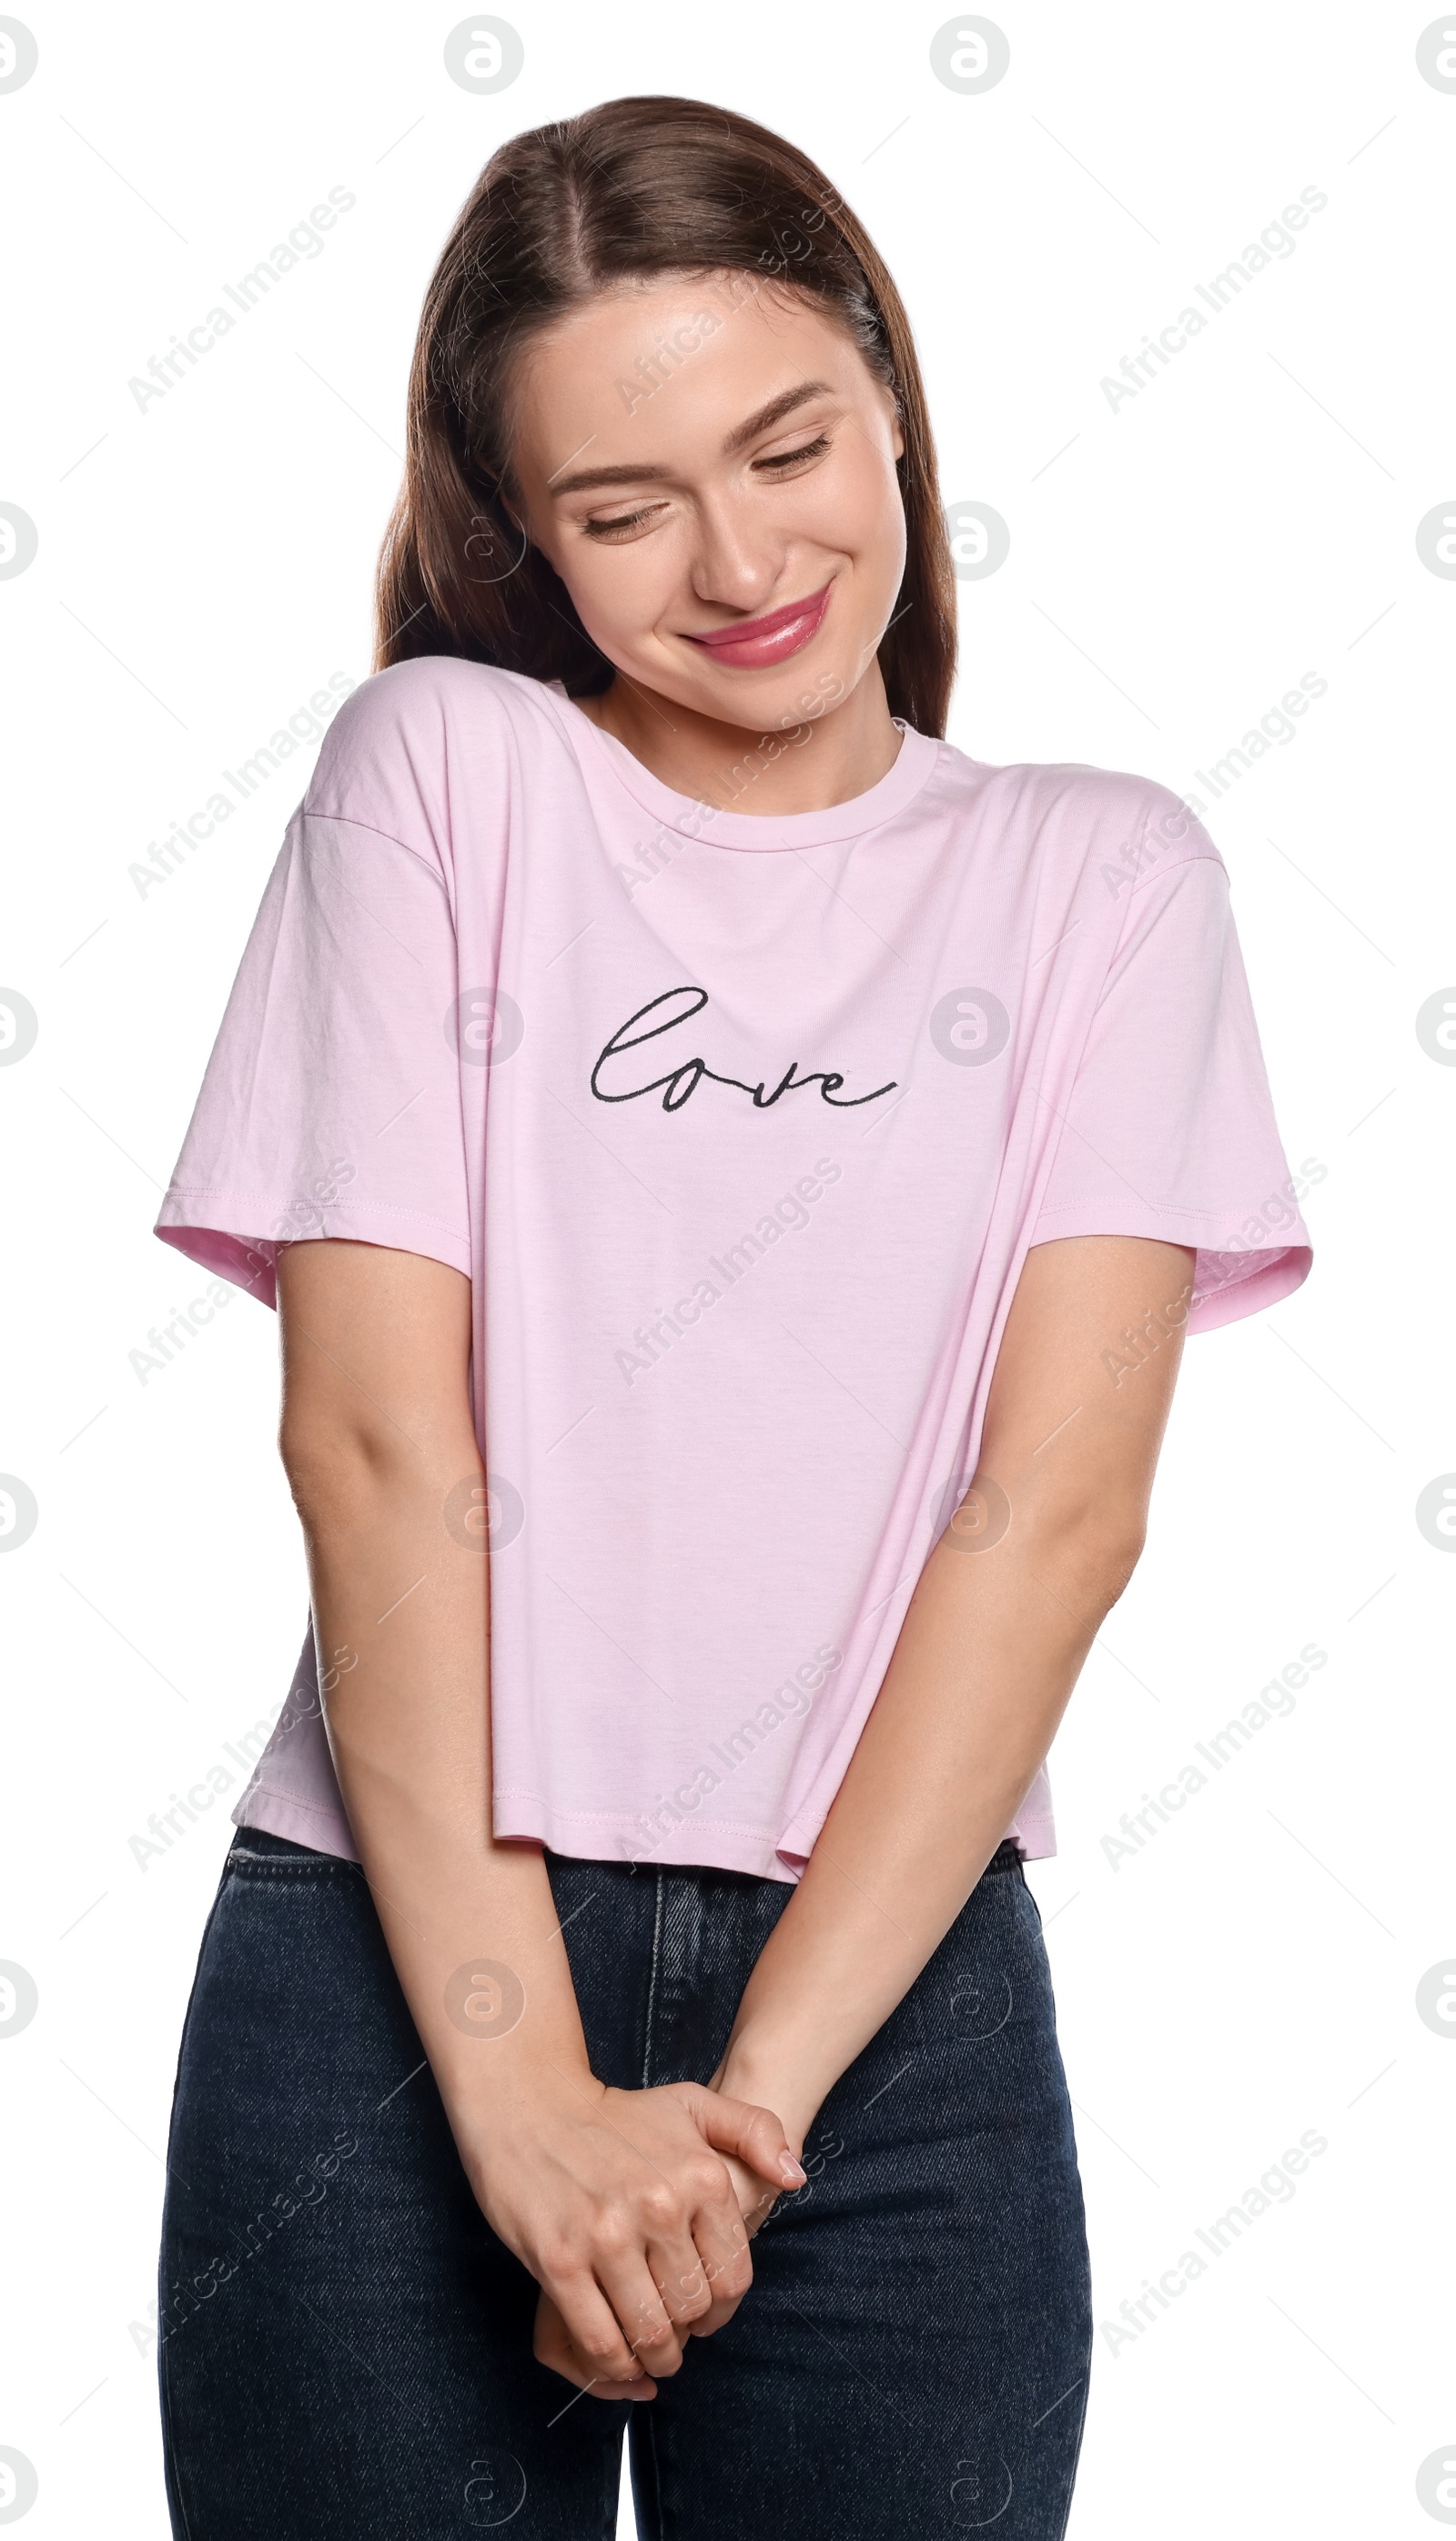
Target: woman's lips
x=758 y=642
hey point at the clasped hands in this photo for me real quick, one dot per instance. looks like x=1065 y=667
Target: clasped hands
x=633 y=2211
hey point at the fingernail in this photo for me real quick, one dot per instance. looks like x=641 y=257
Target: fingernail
x=791 y=2171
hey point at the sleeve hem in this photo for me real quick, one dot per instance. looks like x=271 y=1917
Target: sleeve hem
x=214 y=1229
x=1229 y=1283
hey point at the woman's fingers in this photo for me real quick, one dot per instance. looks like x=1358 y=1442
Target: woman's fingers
x=554 y=2346
x=592 y=2336
x=635 y=2292
x=620 y=2328
x=682 y=2278
x=754 y=2203
x=729 y=2281
x=755 y=2135
x=720 y=2237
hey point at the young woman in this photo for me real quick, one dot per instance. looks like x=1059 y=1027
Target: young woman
x=736 y=1174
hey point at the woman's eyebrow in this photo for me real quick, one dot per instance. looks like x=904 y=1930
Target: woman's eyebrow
x=586 y=479
x=774 y=412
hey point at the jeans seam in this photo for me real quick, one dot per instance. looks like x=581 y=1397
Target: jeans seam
x=169 y=2445
x=1074 y=2462
x=652 y=1989
x=171 y=2461
x=659 y=2526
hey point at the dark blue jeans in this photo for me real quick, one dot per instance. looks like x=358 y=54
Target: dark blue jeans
x=344 y=2346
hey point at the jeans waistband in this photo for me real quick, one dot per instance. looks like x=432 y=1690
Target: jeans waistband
x=1007 y=1856
x=256 y=1841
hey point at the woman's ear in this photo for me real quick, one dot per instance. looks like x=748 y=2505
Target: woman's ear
x=897 y=433
x=514 y=512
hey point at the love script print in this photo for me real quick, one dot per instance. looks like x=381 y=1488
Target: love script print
x=683 y=1074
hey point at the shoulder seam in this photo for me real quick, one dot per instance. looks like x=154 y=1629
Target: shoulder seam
x=1174 y=864
x=346 y=821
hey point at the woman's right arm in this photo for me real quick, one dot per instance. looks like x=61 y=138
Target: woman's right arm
x=618 y=2201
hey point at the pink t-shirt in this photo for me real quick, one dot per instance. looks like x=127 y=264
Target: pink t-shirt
x=742 y=1128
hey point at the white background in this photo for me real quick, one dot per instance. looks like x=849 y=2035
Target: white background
x=1175 y=566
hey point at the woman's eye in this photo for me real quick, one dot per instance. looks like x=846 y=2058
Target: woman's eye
x=790 y=457
x=624 y=521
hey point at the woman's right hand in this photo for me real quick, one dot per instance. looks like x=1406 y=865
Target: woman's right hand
x=622 y=2206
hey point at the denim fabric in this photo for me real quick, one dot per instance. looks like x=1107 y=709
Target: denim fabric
x=345 y=2347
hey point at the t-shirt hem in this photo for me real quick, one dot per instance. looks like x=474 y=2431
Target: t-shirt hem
x=603 y=1834
x=1036 y=1837
x=298 y=1821
x=1034 y=1833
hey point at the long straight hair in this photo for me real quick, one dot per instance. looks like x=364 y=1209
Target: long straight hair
x=640 y=186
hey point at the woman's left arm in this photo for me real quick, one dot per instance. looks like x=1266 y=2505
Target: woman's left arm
x=991 y=1646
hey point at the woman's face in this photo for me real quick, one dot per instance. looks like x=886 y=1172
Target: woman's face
x=694 y=457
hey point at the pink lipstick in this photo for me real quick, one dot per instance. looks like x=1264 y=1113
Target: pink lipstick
x=757 y=643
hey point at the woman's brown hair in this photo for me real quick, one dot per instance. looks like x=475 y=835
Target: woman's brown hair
x=640 y=186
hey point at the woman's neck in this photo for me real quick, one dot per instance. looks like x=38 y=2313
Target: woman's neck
x=835 y=753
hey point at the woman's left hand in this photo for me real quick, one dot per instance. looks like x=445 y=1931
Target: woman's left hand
x=554 y=2344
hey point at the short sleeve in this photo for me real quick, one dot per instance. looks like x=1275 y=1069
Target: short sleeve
x=331 y=1101
x=1169 y=1128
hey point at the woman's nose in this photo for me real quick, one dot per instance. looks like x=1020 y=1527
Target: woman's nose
x=736 y=561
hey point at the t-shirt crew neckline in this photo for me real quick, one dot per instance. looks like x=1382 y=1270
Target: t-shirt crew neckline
x=914 y=763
